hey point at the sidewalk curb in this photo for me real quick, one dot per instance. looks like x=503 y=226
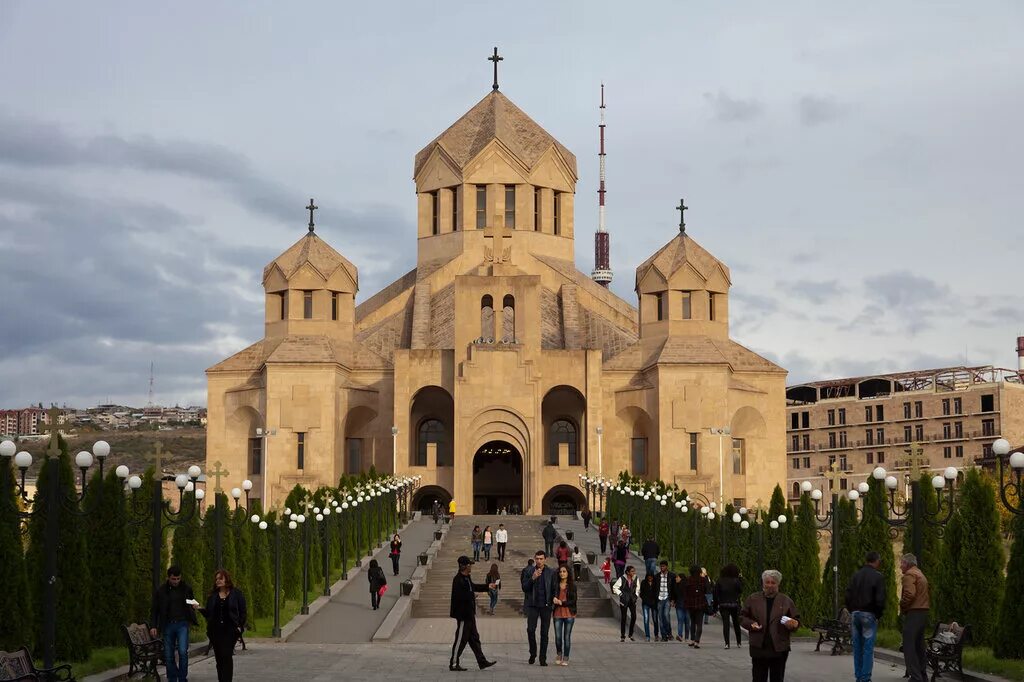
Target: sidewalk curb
x=121 y=673
x=890 y=656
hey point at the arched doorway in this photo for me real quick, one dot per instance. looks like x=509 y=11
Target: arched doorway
x=563 y=500
x=423 y=499
x=497 y=478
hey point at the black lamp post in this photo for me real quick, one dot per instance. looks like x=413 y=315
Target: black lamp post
x=323 y=517
x=743 y=520
x=220 y=515
x=708 y=510
x=1011 y=490
x=263 y=525
x=300 y=521
x=55 y=499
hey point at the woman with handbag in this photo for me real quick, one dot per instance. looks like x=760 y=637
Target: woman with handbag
x=378 y=583
x=728 y=592
x=396 y=551
x=225 y=621
x=493 y=578
x=696 y=603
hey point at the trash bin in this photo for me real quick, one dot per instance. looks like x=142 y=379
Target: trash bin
x=554 y=519
x=437 y=534
x=591 y=557
x=569 y=535
x=423 y=559
x=406 y=587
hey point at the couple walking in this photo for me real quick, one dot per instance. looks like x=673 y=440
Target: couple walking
x=549 y=594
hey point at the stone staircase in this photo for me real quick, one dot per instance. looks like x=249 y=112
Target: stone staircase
x=434 y=598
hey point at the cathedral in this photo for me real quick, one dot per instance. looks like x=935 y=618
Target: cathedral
x=495 y=369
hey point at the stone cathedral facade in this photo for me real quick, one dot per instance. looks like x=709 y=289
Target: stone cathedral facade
x=495 y=369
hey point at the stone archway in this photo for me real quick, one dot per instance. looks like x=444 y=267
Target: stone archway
x=497 y=478
x=423 y=499
x=563 y=500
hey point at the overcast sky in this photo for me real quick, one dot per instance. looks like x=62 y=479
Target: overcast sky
x=860 y=168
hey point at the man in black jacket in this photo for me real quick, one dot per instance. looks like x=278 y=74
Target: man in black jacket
x=865 y=600
x=549 y=534
x=463 y=610
x=538 y=588
x=173 y=611
x=649 y=552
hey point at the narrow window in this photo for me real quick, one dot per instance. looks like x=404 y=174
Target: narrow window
x=958 y=429
x=307 y=305
x=906 y=410
x=988 y=403
x=510 y=207
x=832 y=439
x=739 y=457
x=881 y=458
x=687 y=306
x=638 y=449
x=947 y=431
x=867 y=413
x=879 y=413
x=958 y=405
x=796 y=443
x=842 y=415
x=842 y=439
x=455 y=208
x=806 y=419
x=842 y=484
x=556 y=212
x=945 y=406
x=693 y=452
x=481 y=207
x=831 y=417
x=796 y=462
x=334 y=305
x=869 y=437
x=435 y=213
x=536 y=209
x=563 y=431
x=880 y=436
x=988 y=427
x=959 y=450
x=284 y=305
x=907 y=434
x=986 y=450
x=300 y=451
x=711 y=306
x=796 y=490
x=431 y=431
x=807 y=462
x=871 y=458
x=354 y=455
x=508 y=319
x=255 y=456
x=807 y=441
x=918 y=409
x=487 y=319
x=794 y=420
x=662 y=301
x=919 y=432
x=947 y=452
x=842 y=462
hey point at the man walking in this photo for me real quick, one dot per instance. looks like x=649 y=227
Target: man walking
x=538 y=586
x=586 y=516
x=915 y=600
x=463 y=610
x=549 y=536
x=173 y=611
x=650 y=552
x=664 y=581
x=602 y=534
x=501 y=537
x=865 y=600
x=627 y=589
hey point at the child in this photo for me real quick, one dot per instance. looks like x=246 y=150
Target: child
x=606 y=568
x=577 y=563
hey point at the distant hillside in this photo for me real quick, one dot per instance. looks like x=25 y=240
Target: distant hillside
x=184 y=447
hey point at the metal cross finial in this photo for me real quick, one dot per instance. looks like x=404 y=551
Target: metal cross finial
x=217 y=473
x=312 y=207
x=682 y=218
x=495 y=58
x=916 y=459
x=834 y=475
x=157 y=457
x=53 y=427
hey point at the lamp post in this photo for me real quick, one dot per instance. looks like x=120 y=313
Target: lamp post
x=721 y=432
x=394 y=450
x=55 y=499
x=220 y=516
x=263 y=524
x=300 y=521
x=358 y=499
x=264 y=436
x=323 y=516
x=600 y=457
x=1011 y=492
x=708 y=509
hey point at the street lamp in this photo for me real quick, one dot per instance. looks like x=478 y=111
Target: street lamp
x=300 y=520
x=264 y=436
x=721 y=432
x=394 y=450
x=263 y=524
x=600 y=458
x=1012 y=489
x=827 y=523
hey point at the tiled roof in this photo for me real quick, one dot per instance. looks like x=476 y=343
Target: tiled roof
x=682 y=249
x=694 y=350
x=315 y=251
x=302 y=349
x=495 y=117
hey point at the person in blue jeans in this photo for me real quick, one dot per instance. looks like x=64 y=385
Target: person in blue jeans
x=678 y=597
x=173 y=611
x=477 y=541
x=649 y=603
x=865 y=600
x=664 y=580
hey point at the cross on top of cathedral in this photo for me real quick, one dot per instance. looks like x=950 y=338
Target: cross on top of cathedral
x=682 y=218
x=495 y=58
x=53 y=427
x=217 y=473
x=312 y=207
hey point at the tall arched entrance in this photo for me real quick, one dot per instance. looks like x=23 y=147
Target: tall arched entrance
x=497 y=478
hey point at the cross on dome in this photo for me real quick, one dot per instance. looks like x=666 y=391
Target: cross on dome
x=495 y=58
x=312 y=207
x=682 y=218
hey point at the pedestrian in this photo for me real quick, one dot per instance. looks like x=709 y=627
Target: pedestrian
x=451 y=509
x=488 y=541
x=378 y=583
x=727 y=593
x=678 y=597
x=769 y=617
x=225 y=615
x=586 y=516
x=620 y=557
x=435 y=511
x=501 y=538
x=577 y=563
x=709 y=596
x=602 y=534
x=649 y=603
x=665 y=580
x=173 y=610
x=915 y=600
x=625 y=534
x=493 y=578
x=396 y=551
x=606 y=569
x=549 y=535
x=614 y=529
x=649 y=552
x=627 y=589
x=476 y=540
x=537 y=601
x=463 y=610
x=695 y=603
x=865 y=600
x=562 y=554
x=564 y=613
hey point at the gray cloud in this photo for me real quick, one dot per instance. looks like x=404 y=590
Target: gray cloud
x=726 y=109
x=816 y=110
x=815 y=291
x=905 y=291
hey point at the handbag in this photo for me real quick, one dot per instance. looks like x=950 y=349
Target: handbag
x=382 y=590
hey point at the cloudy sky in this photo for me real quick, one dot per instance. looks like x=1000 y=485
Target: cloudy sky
x=860 y=169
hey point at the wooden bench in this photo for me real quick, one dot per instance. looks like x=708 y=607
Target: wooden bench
x=17 y=666
x=945 y=648
x=144 y=652
x=835 y=630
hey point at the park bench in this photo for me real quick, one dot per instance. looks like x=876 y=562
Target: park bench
x=945 y=648
x=17 y=666
x=835 y=630
x=144 y=652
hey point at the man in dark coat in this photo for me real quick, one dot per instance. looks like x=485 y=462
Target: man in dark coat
x=649 y=551
x=538 y=589
x=865 y=600
x=174 y=606
x=463 y=610
x=549 y=535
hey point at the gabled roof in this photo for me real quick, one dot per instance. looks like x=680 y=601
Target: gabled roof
x=302 y=349
x=693 y=350
x=680 y=251
x=315 y=251
x=494 y=117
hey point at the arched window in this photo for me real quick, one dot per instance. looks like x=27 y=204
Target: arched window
x=431 y=431
x=487 y=319
x=562 y=431
x=796 y=490
x=508 y=322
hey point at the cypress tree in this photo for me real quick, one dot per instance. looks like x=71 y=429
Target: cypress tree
x=242 y=532
x=15 y=601
x=261 y=556
x=141 y=581
x=931 y=544
x=971 y=577
x=109 y=556
x=873 y=536
x=804 y=579
x=1009 y=636
x=189 y=552
x=73 y=641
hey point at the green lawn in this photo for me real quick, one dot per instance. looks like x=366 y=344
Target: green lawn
x=978 y=659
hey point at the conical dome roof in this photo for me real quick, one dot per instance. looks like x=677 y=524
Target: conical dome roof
x=680 y=251
x=495 y=117
x=316 y=252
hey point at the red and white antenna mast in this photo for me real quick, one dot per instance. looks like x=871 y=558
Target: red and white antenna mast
x=602 y=273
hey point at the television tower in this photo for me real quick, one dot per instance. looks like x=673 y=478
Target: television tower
x=150 y=404
x=602 y=273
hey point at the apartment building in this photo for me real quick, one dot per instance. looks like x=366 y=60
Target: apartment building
x=859 y=423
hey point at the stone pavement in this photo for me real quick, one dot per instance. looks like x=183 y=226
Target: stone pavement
x=347 y=617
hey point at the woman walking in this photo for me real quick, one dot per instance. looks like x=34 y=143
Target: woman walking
x=562 y=553
x=627 y=589
x=696 y=603
x=476 y=539
x=619 y=557
x=488 y=541
x=649 y=602
x=677 y=594
x=396 y=551
x=225 y=621
x=577 y=563
x=602 y=533
x=377 y=583
x=564 y=589
x=493 y=578
x=728 y=591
